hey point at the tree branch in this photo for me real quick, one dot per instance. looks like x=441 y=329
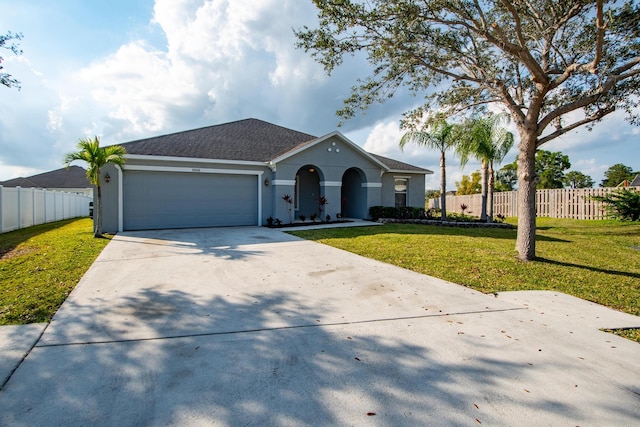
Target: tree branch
x=593 y=67
x=518 y=22
x=597 y=116
x=587 y=100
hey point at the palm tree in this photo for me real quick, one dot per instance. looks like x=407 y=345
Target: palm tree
x=96 y=157
x=484 y=139
x=441 y=136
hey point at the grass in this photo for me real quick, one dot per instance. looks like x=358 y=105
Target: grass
x=597 y=261
x=40 y=265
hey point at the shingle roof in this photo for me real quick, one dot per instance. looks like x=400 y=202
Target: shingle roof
x=246 y=140
x=636 y=181
x=74 y=177
x=242 y=140
x=398 y=165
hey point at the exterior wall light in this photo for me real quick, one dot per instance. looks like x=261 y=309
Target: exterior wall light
x=107 y=178
x=266 y=182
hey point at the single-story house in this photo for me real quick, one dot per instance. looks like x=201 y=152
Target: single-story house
x=72 y=180
x=238 y=173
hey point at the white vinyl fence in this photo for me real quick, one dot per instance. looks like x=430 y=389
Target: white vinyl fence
x=24 y=207
x=573 y=203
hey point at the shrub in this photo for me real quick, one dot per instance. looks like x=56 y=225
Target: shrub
x=623 y=204
x=456 y=217
x=433 y=213
x=403 y=212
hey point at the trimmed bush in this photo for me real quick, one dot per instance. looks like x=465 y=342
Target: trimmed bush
x=403 y=212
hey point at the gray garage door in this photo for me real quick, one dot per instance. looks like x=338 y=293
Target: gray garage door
x=157 y=200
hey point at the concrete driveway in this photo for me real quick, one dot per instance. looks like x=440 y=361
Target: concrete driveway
x=251 y=326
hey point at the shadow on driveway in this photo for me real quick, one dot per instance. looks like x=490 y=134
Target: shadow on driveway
x=261 y=328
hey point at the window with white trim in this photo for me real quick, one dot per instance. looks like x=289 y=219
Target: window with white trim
x=400 y=189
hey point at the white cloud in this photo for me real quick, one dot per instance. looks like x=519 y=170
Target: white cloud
x=590 y=167
x=10 y=172
x=223 y=60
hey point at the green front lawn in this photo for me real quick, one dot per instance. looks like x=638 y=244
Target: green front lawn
x=598 y=261
x=39 y=266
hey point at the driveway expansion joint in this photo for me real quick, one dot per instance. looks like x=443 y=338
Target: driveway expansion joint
x=280 y=328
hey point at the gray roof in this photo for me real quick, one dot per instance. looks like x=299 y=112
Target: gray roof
x=636 y=181
x=400 y=166
x=242 y=140
x=74 y=177
x=245 y=140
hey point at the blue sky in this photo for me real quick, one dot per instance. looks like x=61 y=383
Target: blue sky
x=125 y=70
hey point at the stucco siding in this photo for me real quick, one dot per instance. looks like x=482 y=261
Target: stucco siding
x=415 y=188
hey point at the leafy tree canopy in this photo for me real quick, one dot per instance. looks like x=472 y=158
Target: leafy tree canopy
x=469 y=185
x=576 y=179
x=507 y=177
x=541 y=59
x=616 y=174
x=550 y=167
x=5 y=43
x=431 y=194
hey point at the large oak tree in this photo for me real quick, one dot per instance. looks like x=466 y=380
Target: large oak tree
x=554 y=65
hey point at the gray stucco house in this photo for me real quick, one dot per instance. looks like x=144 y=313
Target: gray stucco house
x=237 y=174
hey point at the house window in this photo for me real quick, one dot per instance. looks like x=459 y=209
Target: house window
x=401 y=192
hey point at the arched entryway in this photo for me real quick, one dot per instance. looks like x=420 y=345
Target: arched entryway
x=354 y=194
x=307 y=191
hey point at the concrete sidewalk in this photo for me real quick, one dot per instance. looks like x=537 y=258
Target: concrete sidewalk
x=253 y=326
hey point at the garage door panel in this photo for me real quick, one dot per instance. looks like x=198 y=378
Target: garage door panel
x=156 y=200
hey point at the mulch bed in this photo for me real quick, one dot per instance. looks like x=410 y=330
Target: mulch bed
x=475 y=224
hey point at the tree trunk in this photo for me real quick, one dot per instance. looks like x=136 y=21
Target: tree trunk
x=484 y=184
x=98 y=211
x=526 y=236
x=490 y=189
x=443 y=188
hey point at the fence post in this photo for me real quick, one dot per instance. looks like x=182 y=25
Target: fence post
x=19 y=207
x=33 y=206
x=1 y=210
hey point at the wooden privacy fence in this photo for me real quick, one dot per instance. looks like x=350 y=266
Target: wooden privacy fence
x=573 y=203
x=24 y=207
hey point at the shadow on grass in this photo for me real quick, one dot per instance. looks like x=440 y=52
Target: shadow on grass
x=9 y=241
x=588 y=267
x=417 y=229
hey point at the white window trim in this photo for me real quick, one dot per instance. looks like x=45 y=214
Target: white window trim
x=406 y=191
